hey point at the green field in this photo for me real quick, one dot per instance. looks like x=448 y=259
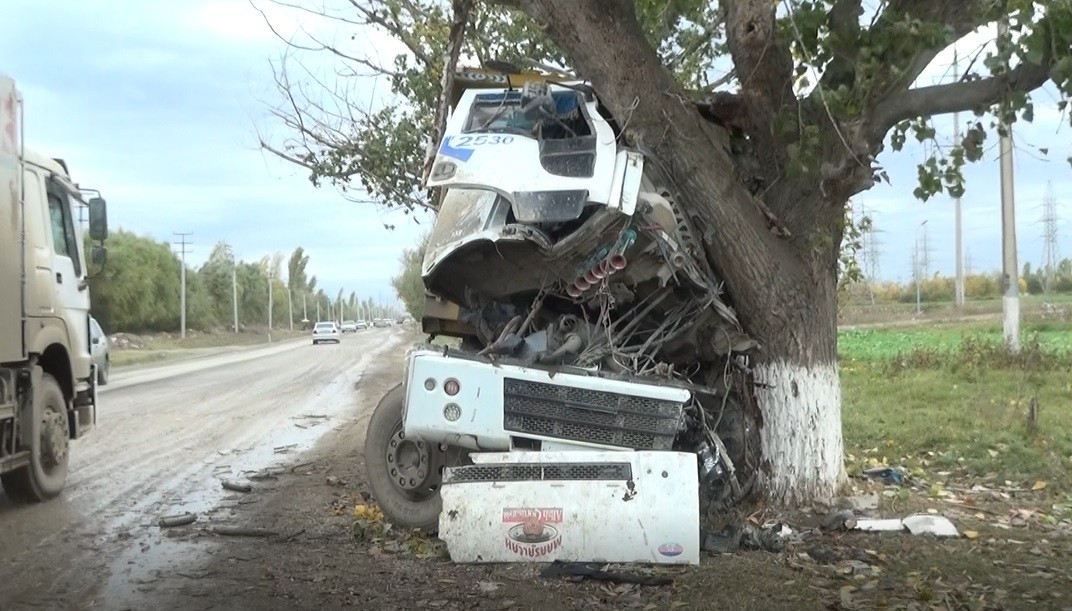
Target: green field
x=949 y=403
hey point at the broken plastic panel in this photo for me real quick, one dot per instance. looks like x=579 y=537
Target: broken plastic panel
x=572 y=506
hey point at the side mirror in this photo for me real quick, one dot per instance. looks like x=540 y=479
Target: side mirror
x=98 y=220
x=99 y=254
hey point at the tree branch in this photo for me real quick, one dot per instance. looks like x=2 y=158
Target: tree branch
x=960 y=96
x=906 y=59
x=844 y=22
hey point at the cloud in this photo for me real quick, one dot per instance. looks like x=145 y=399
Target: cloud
x=160 y=104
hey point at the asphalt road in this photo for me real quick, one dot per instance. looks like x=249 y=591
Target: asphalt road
x=165 y=438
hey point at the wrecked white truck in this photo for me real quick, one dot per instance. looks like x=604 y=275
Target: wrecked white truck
x=599 y=360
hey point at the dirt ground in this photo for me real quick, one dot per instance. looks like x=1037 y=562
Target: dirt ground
x=1013 y=554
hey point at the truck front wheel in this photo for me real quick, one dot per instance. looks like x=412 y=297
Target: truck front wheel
x=46 y=474
x=404 y=473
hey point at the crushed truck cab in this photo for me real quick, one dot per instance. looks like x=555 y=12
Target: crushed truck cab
x=587 y=316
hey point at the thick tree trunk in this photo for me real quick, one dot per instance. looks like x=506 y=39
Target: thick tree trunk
x=799 y=391
x=783 y=288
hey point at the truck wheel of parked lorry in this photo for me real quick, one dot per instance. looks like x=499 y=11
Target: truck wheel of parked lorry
x=45 y=475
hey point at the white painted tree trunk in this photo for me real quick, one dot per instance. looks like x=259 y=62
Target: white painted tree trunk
x=801 y=438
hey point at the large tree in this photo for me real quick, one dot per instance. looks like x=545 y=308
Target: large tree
x=767 y=116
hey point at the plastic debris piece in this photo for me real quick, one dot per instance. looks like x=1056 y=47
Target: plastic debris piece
x=916 y=524
x=886 y=475
x=887 y=525
x=927 y=524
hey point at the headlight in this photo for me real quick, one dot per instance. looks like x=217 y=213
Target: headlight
x=452 y=412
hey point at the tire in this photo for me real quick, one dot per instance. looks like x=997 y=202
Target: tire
x=103 y=372
x=46 y=474
x=315 y=342
x=414 y=507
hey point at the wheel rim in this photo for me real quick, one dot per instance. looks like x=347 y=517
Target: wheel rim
x=413 y=465
x=54 y=440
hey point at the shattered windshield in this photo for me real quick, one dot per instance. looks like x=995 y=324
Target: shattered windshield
x=502 y=112
x=462 y=213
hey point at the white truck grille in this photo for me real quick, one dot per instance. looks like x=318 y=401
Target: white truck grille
x=598 y=417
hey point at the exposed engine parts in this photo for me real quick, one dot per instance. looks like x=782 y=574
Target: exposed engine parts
x=558 y=246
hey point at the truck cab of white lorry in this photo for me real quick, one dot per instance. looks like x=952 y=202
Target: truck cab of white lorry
x=587 y=317
x=48 y=392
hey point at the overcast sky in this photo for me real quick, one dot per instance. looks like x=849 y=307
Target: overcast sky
x=159 y=105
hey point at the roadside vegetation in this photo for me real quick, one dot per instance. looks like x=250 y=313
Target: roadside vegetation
x=129 y=349
x=139 y=288
x=949 y=402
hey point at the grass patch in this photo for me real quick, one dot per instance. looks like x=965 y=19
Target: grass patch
x=163 y=348
x=951 y=401
x=221 y=339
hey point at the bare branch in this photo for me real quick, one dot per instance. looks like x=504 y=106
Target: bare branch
x=454 y=48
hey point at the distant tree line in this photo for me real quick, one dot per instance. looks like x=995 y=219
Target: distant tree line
x=938 y=287
x=138 y=290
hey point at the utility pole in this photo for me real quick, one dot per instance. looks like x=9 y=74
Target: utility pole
x=1010 y=299
x=234 y=291
x=182 y=275
x=270 y=278
x=1049 y=237
x=959 y=241
x=318 y=310
x=304 y=307
x=290 y=308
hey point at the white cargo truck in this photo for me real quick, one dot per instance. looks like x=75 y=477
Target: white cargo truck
x=48 y=392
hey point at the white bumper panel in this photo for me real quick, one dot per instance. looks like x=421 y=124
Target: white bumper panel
x=529 y=507
x=481 y=422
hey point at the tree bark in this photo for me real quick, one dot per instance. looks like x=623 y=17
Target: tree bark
x=783 y=288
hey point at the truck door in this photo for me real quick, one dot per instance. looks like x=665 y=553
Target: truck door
x=69 y=269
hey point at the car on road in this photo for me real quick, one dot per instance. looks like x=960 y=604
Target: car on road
x=349 y=326
x=326 y=332
x=98 y=351
x=379 y=322
x=362 y=324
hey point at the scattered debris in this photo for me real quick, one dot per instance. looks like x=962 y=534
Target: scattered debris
x=241 y=531
x=916 y=524
x=886 y=475
x=579 y=571
x=236 y=487
x=748 y=537
x=840 y=519
x=926 y=524
x=178 y=520
x=332 y=480
x=861 y=502
x=823 y=555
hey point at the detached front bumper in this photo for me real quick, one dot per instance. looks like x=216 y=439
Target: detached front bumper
x=573 y=507
x=506 y=406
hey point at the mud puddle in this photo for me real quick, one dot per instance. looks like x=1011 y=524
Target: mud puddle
x=151 y=553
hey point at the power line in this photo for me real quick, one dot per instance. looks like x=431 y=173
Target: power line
x=182 y=274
